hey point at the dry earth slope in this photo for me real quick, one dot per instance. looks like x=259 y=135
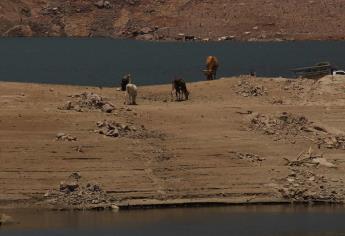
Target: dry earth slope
x=175 y=19
x=236 y=140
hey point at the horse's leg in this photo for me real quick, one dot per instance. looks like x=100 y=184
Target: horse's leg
x=187 y=94
x=126 y=98
x=173 y=87
x=134 y=99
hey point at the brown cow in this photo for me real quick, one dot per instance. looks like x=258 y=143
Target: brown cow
x=211 y=67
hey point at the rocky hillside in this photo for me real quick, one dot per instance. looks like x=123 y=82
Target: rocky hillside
x=175 y=19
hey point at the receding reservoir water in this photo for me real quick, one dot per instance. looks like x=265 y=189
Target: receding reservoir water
x=102 y=62
x=241 y=221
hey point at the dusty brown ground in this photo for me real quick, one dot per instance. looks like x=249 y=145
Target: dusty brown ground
x=244 y=20
x=192 y=161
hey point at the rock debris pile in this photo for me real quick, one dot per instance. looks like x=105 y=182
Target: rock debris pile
x=117 y=130
x=282 y=124
x=114 y=129
x=88 y=101
x=246 y=88
x=304 y=185
x=74 y=193
x=288 y=126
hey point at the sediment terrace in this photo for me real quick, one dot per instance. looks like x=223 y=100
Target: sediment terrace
x=237 y=140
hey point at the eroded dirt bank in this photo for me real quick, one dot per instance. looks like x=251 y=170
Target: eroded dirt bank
x=175 y=19
x=236 y=140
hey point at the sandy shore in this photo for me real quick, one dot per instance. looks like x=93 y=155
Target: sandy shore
x=205 y=150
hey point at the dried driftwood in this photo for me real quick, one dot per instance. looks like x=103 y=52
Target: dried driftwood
x=309 y=158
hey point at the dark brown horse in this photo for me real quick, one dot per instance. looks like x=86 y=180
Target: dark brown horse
x=125 y=80
x=180 y=88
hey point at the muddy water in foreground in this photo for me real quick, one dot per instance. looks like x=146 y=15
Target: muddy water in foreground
x=102 y=62
x=252 y=220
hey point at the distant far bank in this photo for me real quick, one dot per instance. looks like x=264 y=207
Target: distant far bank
x=175 y=20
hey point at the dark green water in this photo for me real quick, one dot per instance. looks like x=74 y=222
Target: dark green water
x=102 y=62
x=241 y=221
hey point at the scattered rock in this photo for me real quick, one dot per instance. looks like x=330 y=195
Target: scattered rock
x=248 y=156
x=185 y=37
x=75 y=176
x=180 y=36
x=68 y=106
x=6 y=219
x=323 y=162
x=114 y=129
x=107 y=108
x=65 y=137
x=103 y=4
x=79 y=149
x=70 y=186
x=114 y=208
x=146 y=37
x=51 y=11
x=277 y=101
x=146 y=30
x=225 y=38
x=47 y=194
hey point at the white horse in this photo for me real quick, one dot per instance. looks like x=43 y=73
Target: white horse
x=131 y=94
